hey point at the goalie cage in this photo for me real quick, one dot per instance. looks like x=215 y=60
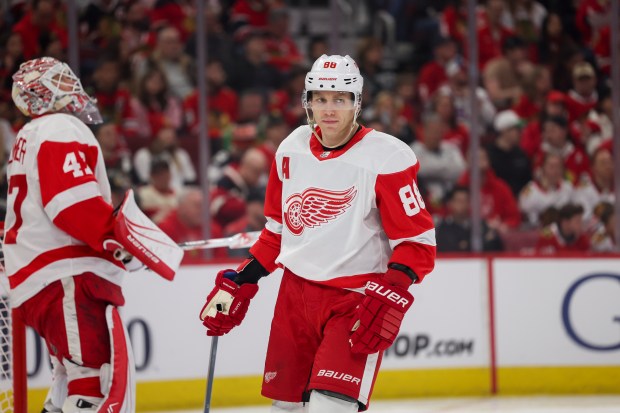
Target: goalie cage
x=13 y=375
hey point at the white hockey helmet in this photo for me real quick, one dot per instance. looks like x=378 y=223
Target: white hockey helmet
x=46 y=85
x=334 y=73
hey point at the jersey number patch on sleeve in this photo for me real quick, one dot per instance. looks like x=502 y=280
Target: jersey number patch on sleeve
x=412 y=199
x=77 y=166
x=20 y=184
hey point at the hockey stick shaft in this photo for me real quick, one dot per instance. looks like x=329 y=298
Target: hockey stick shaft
x=241 y=240
x=212 y=355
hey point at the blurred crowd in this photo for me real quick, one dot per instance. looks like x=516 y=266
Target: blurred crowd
x=544 y=108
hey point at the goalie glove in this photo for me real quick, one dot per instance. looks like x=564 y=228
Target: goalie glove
x=381 y=312
x=227 y=303
x=135 y=235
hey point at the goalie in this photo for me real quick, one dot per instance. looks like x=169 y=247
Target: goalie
x=65 y=248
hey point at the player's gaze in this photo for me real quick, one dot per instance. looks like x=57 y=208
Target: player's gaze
x=331 y=101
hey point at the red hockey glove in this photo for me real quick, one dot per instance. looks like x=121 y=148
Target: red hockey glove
x=379 y=315
x=227 y=304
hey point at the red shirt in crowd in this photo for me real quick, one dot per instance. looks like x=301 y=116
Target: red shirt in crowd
x=431 y=77
x=224 y=101
x=30 y=34
x=180 y=232
x=497 y=201
x=551 y=241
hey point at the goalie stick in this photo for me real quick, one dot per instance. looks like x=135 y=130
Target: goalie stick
x=241 y=240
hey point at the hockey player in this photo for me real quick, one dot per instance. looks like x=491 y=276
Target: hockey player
x=65 y=247
x=346 y=221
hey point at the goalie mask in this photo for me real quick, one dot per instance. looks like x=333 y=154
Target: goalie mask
x=46 y=85
x=337 y=74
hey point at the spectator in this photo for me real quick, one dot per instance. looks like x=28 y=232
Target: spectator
x=599 y=186
x=603 y=239
x=134 y=34
x=454 y=230
x=275 y=132
x=443 y=106
x=492 y=34
x=253 y=220
x=407 y=97
x=243 y=136
x=10 y=59
x=602 y=51
x=249 y=175
x=222 y=100
x=591 y=17
x=498 y=205
x=171 y=13
x=549 y=189
x=113 y=99
x=441 y=162
x=158 y=198
x=252 y=106
x=39 y=29
x=602 y=115
x=219 y=44
x=177 y=66
x=433 y=74
x=453 y=20
x=232 y=190
x=536 y=86
x=556 y=50
x=566 y=234
x=525 y=18
x=152 y=107
x=583 y=96
x=458 y=88
x=555 y=139
x=370 y=56
x=185 y=222
x=254 y=13
x=508 y=160
x=386 y=108
x=317 y=46
x=285 y=102
x=554 y=106
x=503 y=75
x=251 y=70
x=166 y=147
x=115 y=154
x=283 y=52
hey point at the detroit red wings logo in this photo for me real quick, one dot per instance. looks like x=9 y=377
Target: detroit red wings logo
x=314 y=207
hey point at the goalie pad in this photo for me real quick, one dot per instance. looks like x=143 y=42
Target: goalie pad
x=118 y=378
x=143 y=239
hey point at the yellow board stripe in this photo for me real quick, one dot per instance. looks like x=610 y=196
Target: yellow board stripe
x=559 y=380
x=391 y=384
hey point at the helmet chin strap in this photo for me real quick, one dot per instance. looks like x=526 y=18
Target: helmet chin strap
x=349 y=135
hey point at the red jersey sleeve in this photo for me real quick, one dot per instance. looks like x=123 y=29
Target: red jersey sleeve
x=70 y=193
x=267 y=248
x=407 y=223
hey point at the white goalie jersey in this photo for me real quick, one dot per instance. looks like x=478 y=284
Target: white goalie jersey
x=55 y=165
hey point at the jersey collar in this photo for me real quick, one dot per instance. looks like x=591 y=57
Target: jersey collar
x=323 y=154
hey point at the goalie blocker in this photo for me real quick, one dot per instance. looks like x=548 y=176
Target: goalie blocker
x=140 y=237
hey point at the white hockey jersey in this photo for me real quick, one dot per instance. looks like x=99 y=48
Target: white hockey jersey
x=55 y=164
x=333 y=215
